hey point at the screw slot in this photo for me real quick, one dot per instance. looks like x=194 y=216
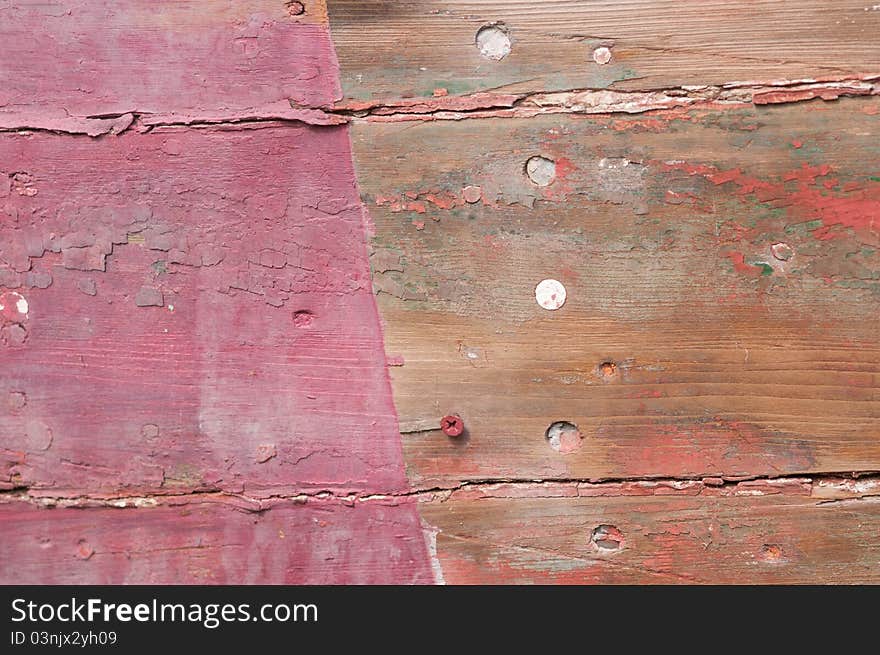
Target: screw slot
x=452 y=425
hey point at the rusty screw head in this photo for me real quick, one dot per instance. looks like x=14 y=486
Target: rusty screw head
x=608 y=371
x=452 y=425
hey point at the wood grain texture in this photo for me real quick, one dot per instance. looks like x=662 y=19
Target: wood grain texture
x=210 y=542
x=177 y=319
x=194 y=386
x=69 y=61
x=176 y=306
x=391 y=50
x=693 y=537
x=189 y=294
x=728 y=361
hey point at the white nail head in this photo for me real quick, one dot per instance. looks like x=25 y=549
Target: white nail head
x=602 y=55
x=550 y=294
x=493 y=41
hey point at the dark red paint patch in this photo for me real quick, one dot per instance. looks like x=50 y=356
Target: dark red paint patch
x=805 y=198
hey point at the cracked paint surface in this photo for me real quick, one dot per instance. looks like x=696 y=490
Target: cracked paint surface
x=72 y=63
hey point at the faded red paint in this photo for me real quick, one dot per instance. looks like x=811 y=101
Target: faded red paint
x=857 y=206
x=64 y=62
x=740 y=265
x=715 y=447
x=440 y=102
x=516 y=567
x=418 y=201
x=562 y=185
x=318 y=542
x=799 y=95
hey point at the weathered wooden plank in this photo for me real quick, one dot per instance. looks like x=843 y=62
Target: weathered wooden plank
x=64 y=62
x=187 y=298
x=193 y=370
x=176 y=303
x=205 y=542
x=721 y=260
x=665 y=534
x=412 y=49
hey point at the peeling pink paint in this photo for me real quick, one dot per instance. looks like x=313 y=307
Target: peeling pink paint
x=200 y=316
x=65 y=62
x=319 y=542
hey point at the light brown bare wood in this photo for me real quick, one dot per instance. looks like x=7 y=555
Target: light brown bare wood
x=408 y=49
x=728 y=361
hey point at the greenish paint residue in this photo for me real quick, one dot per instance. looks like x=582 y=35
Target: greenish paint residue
x=807 y=226
x=355 y=92
x=766 y=269
x=737 y=121
x=598 y=77
x=453 y=87
x=183 y=475
x=858 y=284
x=812 y=153
x=774 y=212
x=874 y=178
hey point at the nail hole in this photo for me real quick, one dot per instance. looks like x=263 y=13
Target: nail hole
x=493 y=41
x=303 y=318
x=550 y=294
x=541 y=170
x=772 y=553
x=472 y=194
x=607 y=538
x=84 y=550
x=607 y=370
x=296 y=8
x=782 y=251
x=564 y=437
x=17 y=399
x=602 y=55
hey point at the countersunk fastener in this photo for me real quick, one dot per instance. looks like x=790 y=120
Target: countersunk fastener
x=452 y=425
